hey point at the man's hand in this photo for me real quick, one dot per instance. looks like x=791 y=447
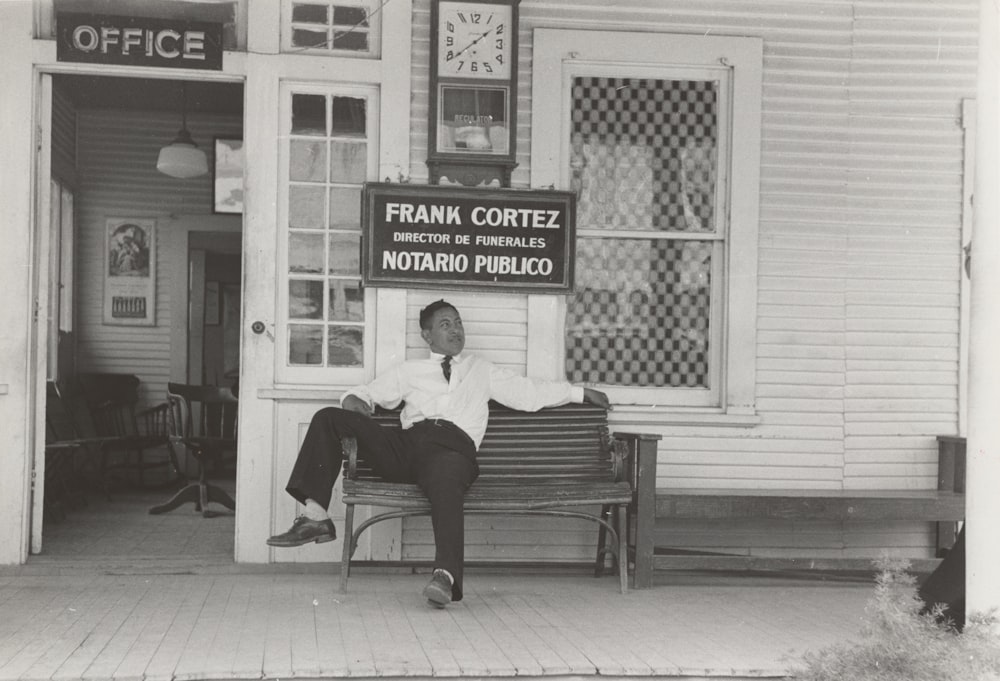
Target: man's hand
x=596 y=397
x=355 y=403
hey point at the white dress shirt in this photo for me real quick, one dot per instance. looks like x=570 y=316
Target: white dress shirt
x=464 y=400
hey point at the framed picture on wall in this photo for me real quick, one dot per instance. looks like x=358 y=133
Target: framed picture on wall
x=227 y=182
x=130 y=271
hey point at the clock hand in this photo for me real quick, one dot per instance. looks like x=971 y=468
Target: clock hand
x=474 y=42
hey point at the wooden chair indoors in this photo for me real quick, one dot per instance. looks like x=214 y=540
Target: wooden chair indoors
x=203 y=422
x=113 y=401
x=62 y=445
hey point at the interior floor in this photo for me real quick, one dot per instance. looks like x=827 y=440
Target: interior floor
x=89 y=526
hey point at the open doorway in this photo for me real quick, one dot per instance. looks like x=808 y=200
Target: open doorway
x=106 y=134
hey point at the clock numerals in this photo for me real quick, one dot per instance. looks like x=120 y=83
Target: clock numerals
x=473 y=41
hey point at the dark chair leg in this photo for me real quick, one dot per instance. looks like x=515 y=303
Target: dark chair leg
x=602 y=540
x=620 y=524
x=348 y=550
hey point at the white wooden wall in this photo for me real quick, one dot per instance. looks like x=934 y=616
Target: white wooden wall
x=861 y=212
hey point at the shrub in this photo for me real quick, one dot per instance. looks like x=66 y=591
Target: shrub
x=898 y=643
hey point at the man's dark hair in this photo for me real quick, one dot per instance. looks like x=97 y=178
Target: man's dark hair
x=428 y=312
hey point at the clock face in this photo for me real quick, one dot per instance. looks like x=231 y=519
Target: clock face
x=474 y=40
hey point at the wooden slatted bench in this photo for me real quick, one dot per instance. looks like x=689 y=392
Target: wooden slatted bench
x=551 y=462
x=944 y=506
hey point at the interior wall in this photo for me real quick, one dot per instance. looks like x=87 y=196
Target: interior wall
x=64 y=119
x=118 y=178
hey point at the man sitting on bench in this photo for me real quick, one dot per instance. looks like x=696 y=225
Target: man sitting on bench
x=444 y=419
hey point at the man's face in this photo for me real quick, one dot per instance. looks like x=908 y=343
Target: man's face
x=446 y=336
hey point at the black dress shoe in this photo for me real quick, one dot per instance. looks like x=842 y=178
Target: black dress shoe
x=304 y=531
x=438 y=591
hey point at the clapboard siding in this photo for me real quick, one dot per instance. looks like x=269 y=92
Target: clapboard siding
x=118 y=178
x=859 y=259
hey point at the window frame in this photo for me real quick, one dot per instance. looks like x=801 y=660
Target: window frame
x=561 y=55
x=374 y=30
x=319 y=374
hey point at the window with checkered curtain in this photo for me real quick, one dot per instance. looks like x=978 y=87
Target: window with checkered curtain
x=643 y=160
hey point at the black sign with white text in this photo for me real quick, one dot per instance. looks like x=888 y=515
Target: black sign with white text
x=436 y=237
x=138 y=41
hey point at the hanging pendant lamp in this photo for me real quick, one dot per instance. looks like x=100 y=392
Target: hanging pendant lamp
x=182 y=158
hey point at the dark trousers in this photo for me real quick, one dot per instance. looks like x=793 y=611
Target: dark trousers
x=437 y=456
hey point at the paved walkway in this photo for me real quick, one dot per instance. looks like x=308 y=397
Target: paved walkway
x=114 y=597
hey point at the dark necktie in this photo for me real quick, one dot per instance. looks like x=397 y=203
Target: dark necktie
x=446 y=367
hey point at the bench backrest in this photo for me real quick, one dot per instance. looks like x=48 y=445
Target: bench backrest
x=559 y=444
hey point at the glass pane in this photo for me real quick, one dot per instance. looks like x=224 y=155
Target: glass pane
x=305 y=344
x=640 y=316
x=347 y=301
x=305 y=253
x=355 y=40
x=345 y=208
x=310 y=14
x=350 y=16
x=644 y=153
x=348 y=115
x=346 y=348
x=305 y=299
x=348 y=162
x=473 y=120
x=309 y=114
x=345 y=253
x=304 y=38
x=308 y=161
x=305 y=207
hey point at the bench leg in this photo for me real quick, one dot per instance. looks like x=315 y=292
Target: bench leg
x=947 y=532
x=621 y=512
x=348 y=551
x=602 y=540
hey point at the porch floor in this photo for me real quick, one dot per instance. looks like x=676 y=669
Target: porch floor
x=115 y=597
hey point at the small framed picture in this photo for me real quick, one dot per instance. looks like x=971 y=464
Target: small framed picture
x=130 y=271
x=227 y=183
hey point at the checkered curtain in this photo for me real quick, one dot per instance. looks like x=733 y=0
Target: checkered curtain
x=643 y=161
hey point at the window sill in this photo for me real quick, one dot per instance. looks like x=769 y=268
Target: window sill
x=301 y=394
x=647 y=415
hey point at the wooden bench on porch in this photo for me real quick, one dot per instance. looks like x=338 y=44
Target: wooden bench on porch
x=944 y=506
x=552 y=462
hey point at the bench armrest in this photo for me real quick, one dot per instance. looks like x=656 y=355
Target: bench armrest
x=350 y=446
x=635 y=449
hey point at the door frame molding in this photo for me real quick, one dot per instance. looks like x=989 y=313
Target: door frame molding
x=177 y=231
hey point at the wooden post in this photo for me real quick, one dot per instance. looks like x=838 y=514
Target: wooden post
x=645 y=508
x=983 y=452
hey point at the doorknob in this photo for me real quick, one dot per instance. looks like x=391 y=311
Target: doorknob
x=257 y=327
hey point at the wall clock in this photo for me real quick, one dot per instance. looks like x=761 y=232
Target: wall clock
x=473 y=91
